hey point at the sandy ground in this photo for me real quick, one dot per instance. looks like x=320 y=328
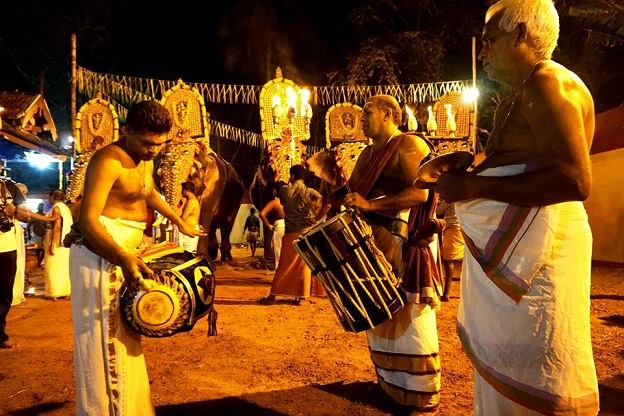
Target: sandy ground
x=269 y=360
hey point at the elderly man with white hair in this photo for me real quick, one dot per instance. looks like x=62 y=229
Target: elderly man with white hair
x=524 y=315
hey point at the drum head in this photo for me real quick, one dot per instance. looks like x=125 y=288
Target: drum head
x=157 y=308
x=159 y=312
x=454 y=162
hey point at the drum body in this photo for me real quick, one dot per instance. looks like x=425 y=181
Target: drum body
x=359 y=281
x=183 y=292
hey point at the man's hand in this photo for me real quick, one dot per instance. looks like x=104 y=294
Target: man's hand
x=135 y=271
x=9 y=210
x=185 y=229
x=356 y=200
x=453 y=187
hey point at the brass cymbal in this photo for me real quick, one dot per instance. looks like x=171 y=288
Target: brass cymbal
x=453 y=162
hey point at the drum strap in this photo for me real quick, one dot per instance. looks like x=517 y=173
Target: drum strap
x=396 y=226
x=74 y=236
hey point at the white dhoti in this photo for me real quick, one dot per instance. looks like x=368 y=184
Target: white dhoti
x=20 y=271
x=523 y=316
x=278 y=234
x=111 y=377
x=405 y=353
x=56 y=266
x=188 y=243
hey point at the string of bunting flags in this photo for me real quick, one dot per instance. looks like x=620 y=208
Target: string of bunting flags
x=122 y=90
x=89 y=82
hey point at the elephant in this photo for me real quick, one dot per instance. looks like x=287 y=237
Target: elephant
x=217 y=186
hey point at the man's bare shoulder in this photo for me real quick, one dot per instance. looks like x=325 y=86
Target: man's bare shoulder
x=108 y=157
x=193 y=203
x=110 y=151
x=553 y=82
x=412 y=143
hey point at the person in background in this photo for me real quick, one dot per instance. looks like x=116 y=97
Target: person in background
x=524 y=312
x=190 y=215
x=56 y=268
x=37 y=230
x=12 y=207
x=452 y=248
x=252 y=226
x=303 y=206
x=275 y=210
x=20 y=273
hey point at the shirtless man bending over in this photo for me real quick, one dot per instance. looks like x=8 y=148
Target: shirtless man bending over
x=190 y=215
x=111 y=378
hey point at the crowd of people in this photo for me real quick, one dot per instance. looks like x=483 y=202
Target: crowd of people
x=514 y=232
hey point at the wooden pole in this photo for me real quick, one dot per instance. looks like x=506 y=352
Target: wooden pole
x=73 y=85
x=60 y=171
x=475 y=126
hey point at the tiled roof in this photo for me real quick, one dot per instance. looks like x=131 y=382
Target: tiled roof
x=28 y=140
x=15 y=103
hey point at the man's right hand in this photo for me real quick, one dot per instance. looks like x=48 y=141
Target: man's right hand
x=185 y=229
x=9 y=210
x=135 y=270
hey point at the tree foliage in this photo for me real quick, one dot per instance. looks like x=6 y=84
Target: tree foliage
x=402 y=41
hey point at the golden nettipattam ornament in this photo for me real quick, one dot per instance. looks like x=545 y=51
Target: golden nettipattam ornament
x=97 y=125
x=285 y=116
x=344 y=134
x=175 y=166
x=189 y=128
x=188 y=112
x=76 y=179
x=346 y=155
x=343 y=123
x=453 y=116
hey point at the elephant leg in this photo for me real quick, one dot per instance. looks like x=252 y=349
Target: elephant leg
x=226 y=247
x=213 y=244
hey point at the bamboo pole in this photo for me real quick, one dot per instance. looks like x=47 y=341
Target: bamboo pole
x=475 y=118
x=60 y=172
x=73 y=85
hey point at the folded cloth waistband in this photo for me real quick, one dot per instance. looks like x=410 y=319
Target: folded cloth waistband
x=76 y=237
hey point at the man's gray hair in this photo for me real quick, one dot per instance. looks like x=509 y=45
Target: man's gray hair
x=539 y=16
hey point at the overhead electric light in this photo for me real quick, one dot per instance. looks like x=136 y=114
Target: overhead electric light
x=38 y=160
x=470 y=95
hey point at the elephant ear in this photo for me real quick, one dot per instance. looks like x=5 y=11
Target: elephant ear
x=324 y=166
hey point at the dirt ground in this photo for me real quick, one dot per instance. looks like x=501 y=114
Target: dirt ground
x=270 y=360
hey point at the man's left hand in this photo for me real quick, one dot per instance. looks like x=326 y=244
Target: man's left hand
x=453 y=187
x=356 y=200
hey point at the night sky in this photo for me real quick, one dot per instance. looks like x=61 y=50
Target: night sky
x=225 y=42
x=229 y=42
x=213 y=42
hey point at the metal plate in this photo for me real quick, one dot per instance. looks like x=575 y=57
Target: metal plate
x=453 y=162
